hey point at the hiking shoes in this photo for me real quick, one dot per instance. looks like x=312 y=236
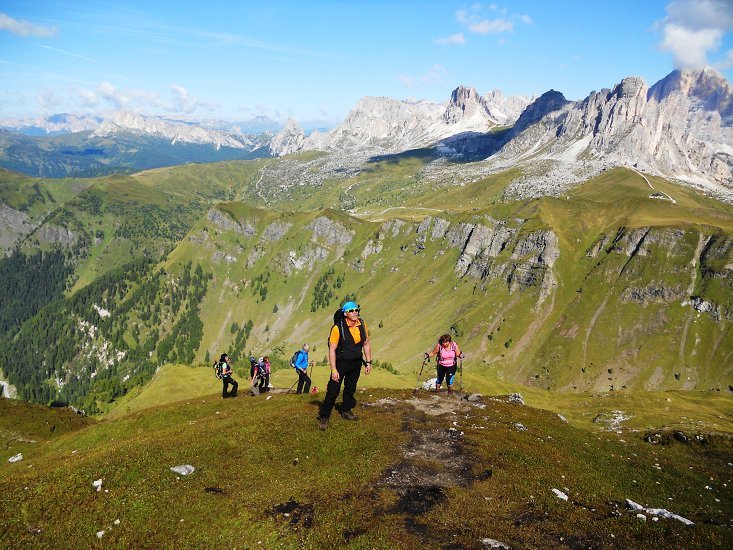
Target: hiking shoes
x=348 y=415
x=323 y=423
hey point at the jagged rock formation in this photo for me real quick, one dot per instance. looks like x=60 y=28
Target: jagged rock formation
x=681 y=128
x=125 y=121
x=14 y=225
x=394 y=126
x=289 y=140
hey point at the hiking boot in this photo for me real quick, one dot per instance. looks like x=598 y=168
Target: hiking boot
x=348 y=415
x=323 y=423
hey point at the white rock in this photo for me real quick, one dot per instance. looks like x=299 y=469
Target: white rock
x=183 y=469
x=100 y=534
x=491 y=543
x=641 y=517
x=16 y=458
x=560 y=494
x=98 y=484
x=116 y=522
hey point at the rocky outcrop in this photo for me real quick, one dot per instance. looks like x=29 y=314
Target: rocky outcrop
x=308 y=258
x=394 y=126
x=393 y=227
x=682 y=128
x=329 y=232
x=14 y=225
x=55 y=234
x=547 y=103
x=275 y=231
x=226 y=223
x=655 y=293
x=289 y=140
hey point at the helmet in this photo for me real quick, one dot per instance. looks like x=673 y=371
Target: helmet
x=349 y=305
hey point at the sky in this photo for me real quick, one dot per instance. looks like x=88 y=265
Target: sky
x=313 y=60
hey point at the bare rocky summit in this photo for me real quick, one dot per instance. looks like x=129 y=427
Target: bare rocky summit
x=680 y=128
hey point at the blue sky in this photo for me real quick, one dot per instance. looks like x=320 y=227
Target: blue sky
x=314 y=60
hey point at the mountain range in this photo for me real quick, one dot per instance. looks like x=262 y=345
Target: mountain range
x=680 y=128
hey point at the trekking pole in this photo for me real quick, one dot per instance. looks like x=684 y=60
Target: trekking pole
x=460 y=380
x=417 y=382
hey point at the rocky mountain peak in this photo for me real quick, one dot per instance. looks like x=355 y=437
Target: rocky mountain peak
x=548 y=102
x=707 y=88
x=289 y=140
x=464 y=102
x=629 y=87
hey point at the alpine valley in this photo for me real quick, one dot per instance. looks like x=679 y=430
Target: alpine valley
x=581 y=253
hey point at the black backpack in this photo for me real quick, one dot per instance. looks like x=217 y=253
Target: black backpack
x=294 y=358
x=339 y=320
x=217 y=369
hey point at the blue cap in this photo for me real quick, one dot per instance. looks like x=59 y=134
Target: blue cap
x=349 y=305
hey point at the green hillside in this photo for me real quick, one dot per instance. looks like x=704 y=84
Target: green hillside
x=413 y=471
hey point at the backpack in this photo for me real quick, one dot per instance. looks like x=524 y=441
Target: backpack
x=294 y=358
x=261 y=369
x=339 y=320
x=217 y=369
x=452 y=347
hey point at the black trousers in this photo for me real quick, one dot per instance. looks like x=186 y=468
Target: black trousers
x=264 y=382
x=225 y=384
x=304 y=381
x=349 y=372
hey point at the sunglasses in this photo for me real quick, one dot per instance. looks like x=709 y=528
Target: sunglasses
x=353 y=310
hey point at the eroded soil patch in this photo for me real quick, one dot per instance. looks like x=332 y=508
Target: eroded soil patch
x=294 y=513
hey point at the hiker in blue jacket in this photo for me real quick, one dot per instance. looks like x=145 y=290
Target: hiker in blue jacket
x=301 y=367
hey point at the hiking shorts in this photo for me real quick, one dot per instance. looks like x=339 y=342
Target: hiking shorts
x=447 y=373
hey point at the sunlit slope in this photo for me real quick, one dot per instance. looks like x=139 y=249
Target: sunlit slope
x=617 y=297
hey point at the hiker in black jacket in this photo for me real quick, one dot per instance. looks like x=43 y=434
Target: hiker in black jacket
x=226 y=377
x=348 y=345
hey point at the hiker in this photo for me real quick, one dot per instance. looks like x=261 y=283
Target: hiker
x=252 y=366
x=265 y=385
x=348 y=340
x=226 y=377
x=448 y=353
x=300 y=364
x=258 y=374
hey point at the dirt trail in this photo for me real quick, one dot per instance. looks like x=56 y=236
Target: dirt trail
x=433 y=460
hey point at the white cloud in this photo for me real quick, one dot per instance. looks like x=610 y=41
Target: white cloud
x=457 y=38
x=690 y=47
x=475 y=20
x=20 y=27
x=435 y=75
x=113 y=96
x=47 y=99
x=695 y=28
x=87 y=98
x=184 y=103
x=495 y=26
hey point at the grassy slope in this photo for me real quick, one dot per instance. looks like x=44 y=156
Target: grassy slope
x=374 y=483
x=419 y=289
